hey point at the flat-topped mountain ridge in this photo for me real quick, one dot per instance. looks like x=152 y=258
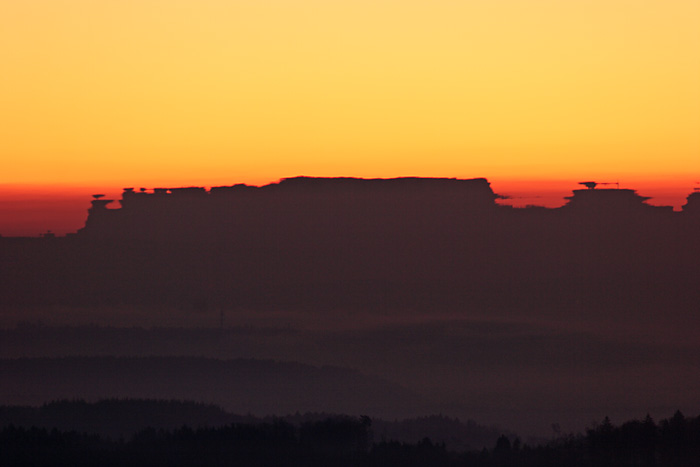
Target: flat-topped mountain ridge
x=355 y=244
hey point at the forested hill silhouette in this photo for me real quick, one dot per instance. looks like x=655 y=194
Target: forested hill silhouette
x=394 y=244
x=247 y=386
x=338 y=440
x=121 y=418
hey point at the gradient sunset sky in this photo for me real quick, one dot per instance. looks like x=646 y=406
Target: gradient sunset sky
x=535 y=95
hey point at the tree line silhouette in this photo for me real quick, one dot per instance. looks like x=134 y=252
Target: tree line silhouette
x=343 y=440
x=121 y=418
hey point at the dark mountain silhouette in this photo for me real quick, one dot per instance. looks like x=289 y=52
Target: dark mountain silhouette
x=348 y=244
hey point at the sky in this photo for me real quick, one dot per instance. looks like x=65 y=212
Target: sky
x=534 y=95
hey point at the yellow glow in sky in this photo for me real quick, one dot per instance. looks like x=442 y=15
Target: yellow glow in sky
x=148 y=92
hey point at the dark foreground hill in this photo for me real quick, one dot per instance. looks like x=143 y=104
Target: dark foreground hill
x=122 y=418
x=338 y=440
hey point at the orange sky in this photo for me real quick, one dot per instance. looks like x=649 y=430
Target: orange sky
x=534 y=95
